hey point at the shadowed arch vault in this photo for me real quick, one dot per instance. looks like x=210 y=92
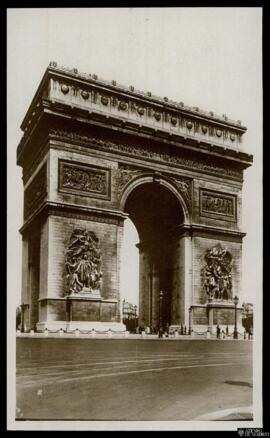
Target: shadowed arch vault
x=157 y=214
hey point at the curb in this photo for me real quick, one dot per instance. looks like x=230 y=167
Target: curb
x=120 y=336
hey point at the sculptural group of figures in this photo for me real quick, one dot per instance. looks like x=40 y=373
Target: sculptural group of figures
x=80 y=179
x=83 y=260
x=217 y=280
x=218 y=205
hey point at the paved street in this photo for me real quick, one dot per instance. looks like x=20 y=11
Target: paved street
x=124 y=379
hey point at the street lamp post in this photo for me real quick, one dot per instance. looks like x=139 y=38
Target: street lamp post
x=150 y=292
x=189 y=321
x=235 y=300
x=160 y=314
x=135 y=316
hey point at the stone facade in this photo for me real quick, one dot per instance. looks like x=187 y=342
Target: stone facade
x=176 y=171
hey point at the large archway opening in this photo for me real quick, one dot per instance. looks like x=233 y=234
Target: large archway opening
x=157 y=215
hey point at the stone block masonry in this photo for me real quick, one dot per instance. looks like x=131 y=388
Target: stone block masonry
x=94 y=153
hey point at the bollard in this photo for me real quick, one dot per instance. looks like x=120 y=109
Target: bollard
x=192 y=333
x=109 y=333
x=46 y=332
x=61 y=332
x=143 y=334
x=32 y=332
x=176 y=334
x=93 y=332
x=18 y=332
x=126 y=333
x=77 y=332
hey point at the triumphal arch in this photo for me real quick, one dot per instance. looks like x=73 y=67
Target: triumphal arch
x=94 y=153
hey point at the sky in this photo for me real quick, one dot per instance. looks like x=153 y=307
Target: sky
x=205 y=57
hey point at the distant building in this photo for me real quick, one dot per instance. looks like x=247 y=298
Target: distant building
x=129 y=316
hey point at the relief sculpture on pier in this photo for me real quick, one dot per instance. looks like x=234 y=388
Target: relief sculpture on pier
x=216 y=274
x=83 y=263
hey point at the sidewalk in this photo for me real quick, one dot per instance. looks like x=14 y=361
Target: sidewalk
x=124 y=335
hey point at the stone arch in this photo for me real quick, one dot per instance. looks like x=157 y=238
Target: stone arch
x=159 y=212
x=163 y=181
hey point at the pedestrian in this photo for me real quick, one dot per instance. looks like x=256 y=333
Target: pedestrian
x=18 y=317
x=223 y=334
x=185 y=330
x=182 y=331
x=218 y=332
x=227 y=331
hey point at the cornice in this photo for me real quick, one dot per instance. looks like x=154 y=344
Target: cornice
x=74 y=95
x=125 y=127
x=48 y=208
x=93 y=79
x=193 y=230
x=197 y=230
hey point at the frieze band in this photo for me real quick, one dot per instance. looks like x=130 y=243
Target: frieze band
x=145 y=152
x=84 y=180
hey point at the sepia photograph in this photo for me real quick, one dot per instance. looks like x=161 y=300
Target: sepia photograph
x=134 y=195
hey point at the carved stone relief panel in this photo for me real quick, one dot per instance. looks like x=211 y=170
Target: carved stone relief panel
x=83 y=179
x=83 y=263
x=184 y=185
x=218 y=205
x=36 y=190
x=128 y=172
x=125 y=174
x=216 y=274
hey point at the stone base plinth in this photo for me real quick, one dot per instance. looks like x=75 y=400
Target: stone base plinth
x=215 y=313
x=87 y=294
x=90 y=308
x=81 y=325
x=78 y=309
